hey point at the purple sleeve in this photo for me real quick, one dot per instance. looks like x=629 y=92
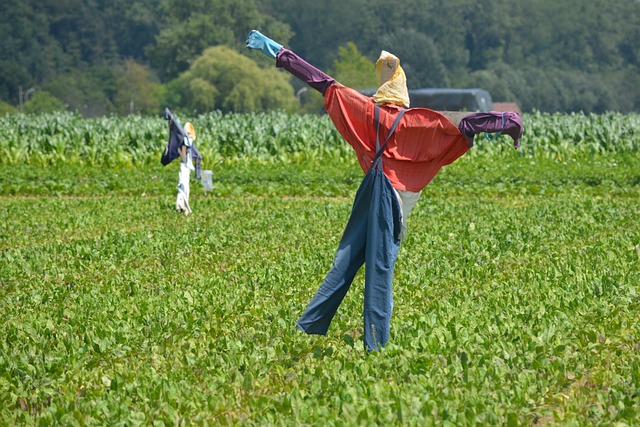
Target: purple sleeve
x=508 y=123
x=303 y=70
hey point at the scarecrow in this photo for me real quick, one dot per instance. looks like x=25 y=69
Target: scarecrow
x=181 y=145
x=400 y=150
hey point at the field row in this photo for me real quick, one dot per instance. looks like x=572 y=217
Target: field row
x=70 y=139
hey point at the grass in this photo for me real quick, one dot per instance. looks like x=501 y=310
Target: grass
x=516 y=297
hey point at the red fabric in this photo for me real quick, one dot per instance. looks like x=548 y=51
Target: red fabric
x=423 y=142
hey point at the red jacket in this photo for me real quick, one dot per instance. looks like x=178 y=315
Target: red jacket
x=424 y=141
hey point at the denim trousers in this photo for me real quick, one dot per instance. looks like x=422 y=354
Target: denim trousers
x=371 y=237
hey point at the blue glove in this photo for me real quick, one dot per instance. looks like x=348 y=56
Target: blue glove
x=255 y=40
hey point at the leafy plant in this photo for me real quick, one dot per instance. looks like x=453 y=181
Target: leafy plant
x=516 y=290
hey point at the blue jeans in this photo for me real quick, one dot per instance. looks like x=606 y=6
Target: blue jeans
x=372 y=238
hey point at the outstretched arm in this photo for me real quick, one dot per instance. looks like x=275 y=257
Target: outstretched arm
x=291 y=62
x=507 y=122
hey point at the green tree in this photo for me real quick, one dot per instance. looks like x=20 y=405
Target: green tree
x=353 y=69
x=503 y=82
x=6 y=108
x=320 y=27
x=20 y=30
x=484 y=39
x=419 y=57
x=43 y=102
x=191 y=26
x=89 y=92
x=45 y=39
x=223 y=79
x=588 y=46
x=136 y=91
x=132 y=25
x=428 y=36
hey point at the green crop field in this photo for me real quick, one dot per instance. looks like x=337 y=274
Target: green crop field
x=517 y=289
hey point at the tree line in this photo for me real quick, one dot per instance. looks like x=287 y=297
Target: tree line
x=101 y=57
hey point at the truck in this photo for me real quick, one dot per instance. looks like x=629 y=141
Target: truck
x=441 y=99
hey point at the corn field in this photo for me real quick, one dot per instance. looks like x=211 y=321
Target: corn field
x=69 y=138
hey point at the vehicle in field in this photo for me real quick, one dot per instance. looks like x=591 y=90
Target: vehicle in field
x=441 y=99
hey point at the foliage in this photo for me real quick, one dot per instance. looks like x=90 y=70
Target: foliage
x=516 y=291
x=46 y=38
x=222 y=79
x=311 y=101
x=352 y=69
x=545 y=55
x=87 y=92
x=68 y=138
x=191 y=26
x=280 y=136
x=23 y=58
x=423 y=66
x=43 y=102
x=6 y=108
x=449 y=43
x=136 y=91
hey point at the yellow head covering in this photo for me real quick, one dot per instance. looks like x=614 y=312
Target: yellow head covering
x=393 y=82
x=190 y=130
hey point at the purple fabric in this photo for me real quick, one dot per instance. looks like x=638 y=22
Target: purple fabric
x=306 y=72
x=507 y=122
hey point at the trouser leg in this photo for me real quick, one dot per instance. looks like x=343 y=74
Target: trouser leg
x=182 y=199
x=348 y=260
x=372 y=235
x=382 y=249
